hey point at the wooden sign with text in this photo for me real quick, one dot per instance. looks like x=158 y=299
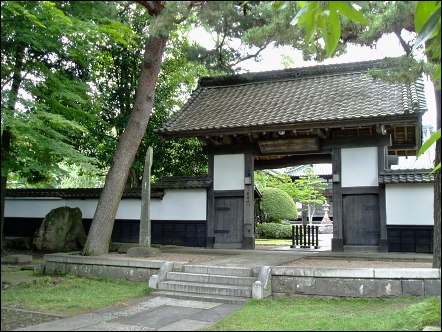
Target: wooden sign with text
x=289 y=145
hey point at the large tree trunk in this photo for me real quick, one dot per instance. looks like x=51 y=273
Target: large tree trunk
x=437 y=189
x=102 y=225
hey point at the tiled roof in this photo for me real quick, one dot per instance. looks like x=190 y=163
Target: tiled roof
x=406 y=176
x=318 y=169
x=183 y=182
x=173 y=182
x=292 y=97
x=80 y=193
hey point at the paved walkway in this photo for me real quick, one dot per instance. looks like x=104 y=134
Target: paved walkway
x=153 y=313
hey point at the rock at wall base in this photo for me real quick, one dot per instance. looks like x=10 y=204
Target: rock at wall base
x=143 y=252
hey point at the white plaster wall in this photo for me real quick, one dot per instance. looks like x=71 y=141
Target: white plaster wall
x=182 y=204
x=359 y=167
x=177 y=204
x=409 y=203
x=228 y=172
x=31 y=207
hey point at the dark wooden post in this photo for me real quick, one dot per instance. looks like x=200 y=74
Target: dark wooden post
x=249 y=216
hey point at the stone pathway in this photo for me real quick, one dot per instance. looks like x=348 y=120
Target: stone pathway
x=156 y=313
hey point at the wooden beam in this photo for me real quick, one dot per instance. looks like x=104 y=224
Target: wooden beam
x=293 y=161
x=231 y=149
x=353 y=142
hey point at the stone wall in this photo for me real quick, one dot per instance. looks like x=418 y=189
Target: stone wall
x=367 y=282
x=101 y=267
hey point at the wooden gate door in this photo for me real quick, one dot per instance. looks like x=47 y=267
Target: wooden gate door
x=229 y=220
x=361 y=225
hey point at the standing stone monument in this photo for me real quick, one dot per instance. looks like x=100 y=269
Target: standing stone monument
x=145 y=249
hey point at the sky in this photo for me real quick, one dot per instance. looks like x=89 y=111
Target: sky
x=387 y=46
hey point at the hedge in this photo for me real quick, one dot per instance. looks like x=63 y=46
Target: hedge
x=277 y=205
x=271 y=230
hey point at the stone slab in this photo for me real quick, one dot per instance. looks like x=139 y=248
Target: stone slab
x=195 y=304
x=407 y=273
x=105 y=326
x=186 y=325
x=160 y=317
x=216 y=313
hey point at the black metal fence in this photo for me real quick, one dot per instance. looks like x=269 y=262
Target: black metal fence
x=305 y=236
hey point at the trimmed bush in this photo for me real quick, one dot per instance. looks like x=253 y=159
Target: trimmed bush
x=274 y=231
x=277 y=205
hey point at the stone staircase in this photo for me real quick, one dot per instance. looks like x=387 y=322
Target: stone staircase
x=207 y=283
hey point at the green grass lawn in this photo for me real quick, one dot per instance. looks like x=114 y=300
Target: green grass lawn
x=70 y=295
x=334 y=314
x=273 y=242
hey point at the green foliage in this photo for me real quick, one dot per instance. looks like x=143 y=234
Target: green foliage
x=277 y=205
x=429 y=142
x=427 y=25
x=311 y=191
x=269 y=230
x=324 y=15
x=308 y=189
x=229 y=22
x=46 y=104
x=85 y=61
x=277 y=180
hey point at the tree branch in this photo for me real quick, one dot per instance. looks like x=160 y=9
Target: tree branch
x=404 y=44
x=152 y=7
x=250 y=56
x=191 y=5
x=126 y=7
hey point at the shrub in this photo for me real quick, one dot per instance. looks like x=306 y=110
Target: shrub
x=277 y=205
x=274 y=231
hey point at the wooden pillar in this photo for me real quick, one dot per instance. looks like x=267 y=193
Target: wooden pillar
x=210 y=207
x=249 y=215
x=337 y=240
x=382 y=165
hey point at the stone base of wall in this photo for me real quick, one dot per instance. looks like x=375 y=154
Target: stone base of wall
x=102 y=267
x=355 y=282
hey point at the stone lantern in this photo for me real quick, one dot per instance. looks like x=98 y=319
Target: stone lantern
x=326 y=208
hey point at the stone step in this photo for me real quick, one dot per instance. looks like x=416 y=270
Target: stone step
x=214 y=289
x=211 y=279
x=203 y=297
x=219 y=270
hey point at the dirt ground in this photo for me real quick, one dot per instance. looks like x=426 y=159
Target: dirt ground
x=16 y=318
x=354 y=263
